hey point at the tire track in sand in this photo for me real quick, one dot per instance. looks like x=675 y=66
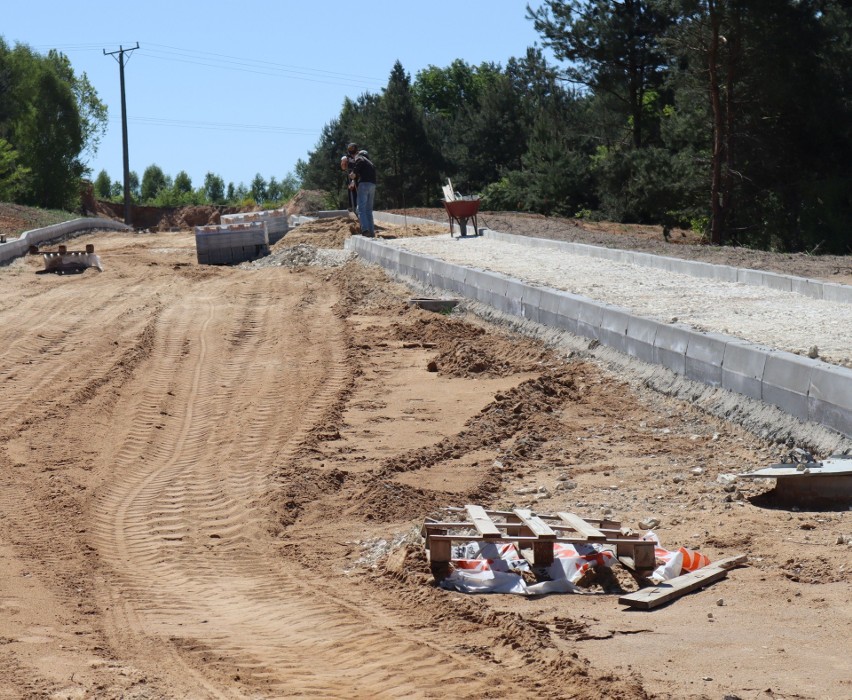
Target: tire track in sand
x=197 y=578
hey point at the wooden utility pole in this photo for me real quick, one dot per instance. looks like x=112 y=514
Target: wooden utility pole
x=121 y=63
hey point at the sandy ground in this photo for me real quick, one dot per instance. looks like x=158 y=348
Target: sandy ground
x=212 y=480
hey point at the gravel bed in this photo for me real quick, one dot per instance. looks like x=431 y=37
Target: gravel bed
x=783 y=320
x=302 y=255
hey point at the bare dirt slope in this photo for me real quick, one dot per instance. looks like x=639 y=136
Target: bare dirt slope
x=211 y=482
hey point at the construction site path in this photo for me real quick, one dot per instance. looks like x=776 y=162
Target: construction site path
x=211 y=481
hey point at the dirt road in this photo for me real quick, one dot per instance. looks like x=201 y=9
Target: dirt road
x=211 y=481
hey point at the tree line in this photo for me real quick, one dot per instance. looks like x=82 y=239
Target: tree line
x=158 y=189
x=731 y=117
x=50 y=118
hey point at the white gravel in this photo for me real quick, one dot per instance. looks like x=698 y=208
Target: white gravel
x=782 y=320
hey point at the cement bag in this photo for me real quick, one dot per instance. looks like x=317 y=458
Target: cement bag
x=486 y=567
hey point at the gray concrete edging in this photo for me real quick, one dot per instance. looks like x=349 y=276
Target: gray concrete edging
x=808 y=389
x=20 y=246
x=757 y=278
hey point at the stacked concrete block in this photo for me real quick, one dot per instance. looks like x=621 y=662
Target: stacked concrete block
x=231 y=243
x=277 y=222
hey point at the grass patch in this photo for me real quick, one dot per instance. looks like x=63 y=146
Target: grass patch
x=16 y=218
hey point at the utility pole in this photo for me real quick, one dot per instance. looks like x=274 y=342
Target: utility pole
x=121 y=63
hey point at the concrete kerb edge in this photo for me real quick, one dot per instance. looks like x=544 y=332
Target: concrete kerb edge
x=15 y=249
x=757 y=278
x=830 y=398
x=804 y=388
x=786 y=382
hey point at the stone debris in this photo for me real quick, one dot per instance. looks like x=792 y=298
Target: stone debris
x=302 y=255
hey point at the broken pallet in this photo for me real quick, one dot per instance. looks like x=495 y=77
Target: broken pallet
x=533 y=531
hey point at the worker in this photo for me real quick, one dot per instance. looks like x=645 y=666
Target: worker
x=346 y=165
x=364 y=173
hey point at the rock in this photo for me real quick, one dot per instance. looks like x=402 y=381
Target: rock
x=697 y=471
x=813 y=353
x=729 y=488
x=432 y=366
x=566 y=485
x=677 y=479
x=564 y=476
x=526 y=490
x=726 y=478
x=649 y=523
x=720 y=602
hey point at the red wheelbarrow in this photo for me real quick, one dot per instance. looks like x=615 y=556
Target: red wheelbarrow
x=459 y=211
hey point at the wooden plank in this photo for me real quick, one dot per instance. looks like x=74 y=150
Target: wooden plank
x=543 y=552
x=484 y=525
x=655 y=596
x=582 y=527
x=440 y=551
x=536 y=525
x=451 y=526
x=513 y=538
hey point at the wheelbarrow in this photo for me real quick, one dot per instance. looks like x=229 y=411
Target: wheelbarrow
x=459 y=211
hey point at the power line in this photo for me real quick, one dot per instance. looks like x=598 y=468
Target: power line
x=278 y=73
x=221 y=126
x=271 y=64
x=209 y=59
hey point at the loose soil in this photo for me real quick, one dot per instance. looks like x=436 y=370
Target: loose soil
x=212 y=481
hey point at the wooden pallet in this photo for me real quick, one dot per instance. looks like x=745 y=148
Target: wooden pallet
x=536 y=532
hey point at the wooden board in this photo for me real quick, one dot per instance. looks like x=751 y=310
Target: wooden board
x=582 y=527
x=536 y=525
x=484 y=525
x=655 y=596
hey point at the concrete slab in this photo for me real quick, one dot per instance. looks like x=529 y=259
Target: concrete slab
x=612 y=331
x=531 y=303
x=670 y=346
x=806 y=287
x=589 y=318
x=830 y=397
x=641 y=333
x=772 y=280
x=514 y=297
x=787 y=381
x=837 y=292
x=704 y=356
x=742 y=367
x=556 y=310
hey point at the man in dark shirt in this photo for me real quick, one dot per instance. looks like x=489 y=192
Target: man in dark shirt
x=364 y=173
x=346 y=165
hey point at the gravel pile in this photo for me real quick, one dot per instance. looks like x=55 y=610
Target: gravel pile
x=769 y=317
x=302 y=255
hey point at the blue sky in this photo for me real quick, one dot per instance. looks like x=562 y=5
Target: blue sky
x=238 y=88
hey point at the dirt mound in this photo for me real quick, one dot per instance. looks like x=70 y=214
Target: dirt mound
x=167 y=218
x=307 y=202
x=333 y=232
x=468 y=351
x=322 y=233
x=15 y=218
